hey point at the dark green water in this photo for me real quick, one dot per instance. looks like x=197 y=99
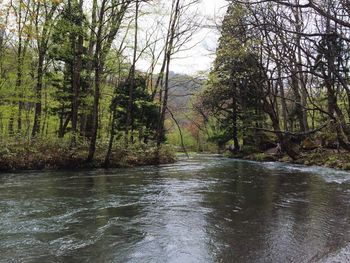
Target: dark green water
x=206 y=209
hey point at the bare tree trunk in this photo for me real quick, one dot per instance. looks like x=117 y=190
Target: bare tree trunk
x=95 y=121
x=77 y=68
x=283 y=100
x=86 y=118
x=180 y=131
x=38 y=96
x=299 y=62
x=129 y=113
x=234 y=125
x=111 y=140
x=298 y=108
x=169 y=49
x=19 y=83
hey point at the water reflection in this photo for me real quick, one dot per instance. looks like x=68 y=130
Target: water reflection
x=206 y=209
x=274 y=216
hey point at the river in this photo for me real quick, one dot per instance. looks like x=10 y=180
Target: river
x=205 y=209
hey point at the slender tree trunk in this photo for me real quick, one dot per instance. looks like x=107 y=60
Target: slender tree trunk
x=164 y=98
x=19 y=84
x=11 y=124
x=77 y=68
x=129 y=113
x=38 y=96
x=299 y=62
x=234 y=116
x=169 y=49
x=111 y=140
x=283 y=101
x=86 y=118
x=234 y=125
x=45 y=110
x=298 y=108
x=104 y=41
x=95 y=119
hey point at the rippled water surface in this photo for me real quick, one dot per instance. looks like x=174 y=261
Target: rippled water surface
x=206 y=209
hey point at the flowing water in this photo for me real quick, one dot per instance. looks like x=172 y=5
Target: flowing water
x=206 y=209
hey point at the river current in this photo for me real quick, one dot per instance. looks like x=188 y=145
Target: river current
x=204 y=209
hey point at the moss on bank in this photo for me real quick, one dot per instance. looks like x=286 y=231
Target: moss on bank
x=54 y=156
x=317 y=157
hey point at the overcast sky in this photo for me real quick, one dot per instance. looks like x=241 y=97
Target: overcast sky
x=201 y=56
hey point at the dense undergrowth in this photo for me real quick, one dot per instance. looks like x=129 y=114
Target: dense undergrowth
x=318 y=157
x=322 y=149
x=58 y=154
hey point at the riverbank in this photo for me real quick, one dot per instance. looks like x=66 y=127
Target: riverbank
x=324 y=157
x=43 y=156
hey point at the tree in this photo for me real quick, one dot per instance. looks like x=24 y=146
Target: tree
x=110 y=16
x=234 y=90
x=180 y=30
x=43 y=15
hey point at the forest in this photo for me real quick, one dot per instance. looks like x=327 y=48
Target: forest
x=72 y=93
x=280 y=82
x=70 y=90
x=175 y=131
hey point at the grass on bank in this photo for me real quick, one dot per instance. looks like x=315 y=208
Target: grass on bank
x=57 y=154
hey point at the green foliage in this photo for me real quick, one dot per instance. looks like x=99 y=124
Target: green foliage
x=145 y=112
x=56 y=153
x=201 y=142
x=234 y=90
x=66 y=32
x=260 y=157
x=173 y=138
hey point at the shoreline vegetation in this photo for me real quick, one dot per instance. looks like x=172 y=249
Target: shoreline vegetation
x=58 y=156
x=73 y=94
x=72 y=91
x=326 y=158
x=279 y=86
x=321 y=149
